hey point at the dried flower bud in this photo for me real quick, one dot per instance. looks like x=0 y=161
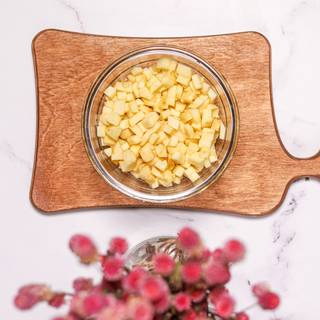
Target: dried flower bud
x=163 y=264
x=216 y=273
x=190 y=315
x=197 y=295
x=140 y=309
x=217 y=293
x=76 y=304
x=188 y=239
x=153 y=288
x=218 y=256
x=182 y=302
x=84 y=248
x=269 y=300
x=134 y=280
x=118 y=245
x=113 y=268
x=224 y=306
x=117 y=312
x=162 y=304
x=234 y=250
x=205 y=255
x=95 y=302
x=259 y=289
x=191 y=272
x=30 y=295
x=82 y=284
x=57 y=300
x=242 y=316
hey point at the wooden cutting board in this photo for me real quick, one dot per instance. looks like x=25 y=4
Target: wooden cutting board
x=66 y=64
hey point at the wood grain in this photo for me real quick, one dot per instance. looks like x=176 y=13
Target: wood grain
x=66 y=64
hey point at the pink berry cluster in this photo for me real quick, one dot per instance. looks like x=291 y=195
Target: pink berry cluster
x=192 y=289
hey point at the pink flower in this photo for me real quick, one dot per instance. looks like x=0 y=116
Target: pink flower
x=82 y=284
x=216 y=273
x=30 y=295
x=259 y=289
x=25 y=301
x=188 y=239
x=140 y=309
x=219 y=256
x=161 y=305
x=234 y=250
x=190 y=315
x=269 y=301
x=113 y=268
x=154 y=288
x=182 y=302
x=224 y=306
x=118 y=245
x=217 y=293
x=76 y=304
x=197 y=295
x=191 y=272
x=205 y=254
x=134 y=280
x=93 y=303
x=242 y=316
x=163 y=264
x=84 y=248
x=117 y=312
x=57 y=300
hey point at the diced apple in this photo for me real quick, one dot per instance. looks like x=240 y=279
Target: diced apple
x=206 y=140
x=191 y=174
x=161 y=165
x=173 y=122
x=112 y=118
x=110 y=92
x=171 y=97
x=108 y=152
x=101 y=131
x=212 y=95
x=117 y=152
x=129 y=161
x=134 y=139
x=119 y=107
x=150 y=120
x=184 y=70
x=146 y=152
x=136 y=118
x=161 y=151
x=206 y=119
x=196 y=81
x=222 y=133
x=113 y=132
x=164 y=64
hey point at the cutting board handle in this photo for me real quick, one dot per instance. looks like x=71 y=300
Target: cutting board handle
x=307 y=167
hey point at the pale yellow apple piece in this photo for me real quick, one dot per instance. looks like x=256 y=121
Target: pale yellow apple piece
x=191 y=174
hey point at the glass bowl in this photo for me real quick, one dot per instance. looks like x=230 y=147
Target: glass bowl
x=125 y=182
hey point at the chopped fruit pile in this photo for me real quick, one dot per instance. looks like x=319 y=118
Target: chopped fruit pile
x=160 y=123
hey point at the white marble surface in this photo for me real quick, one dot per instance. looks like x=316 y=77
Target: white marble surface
x=283 y=247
